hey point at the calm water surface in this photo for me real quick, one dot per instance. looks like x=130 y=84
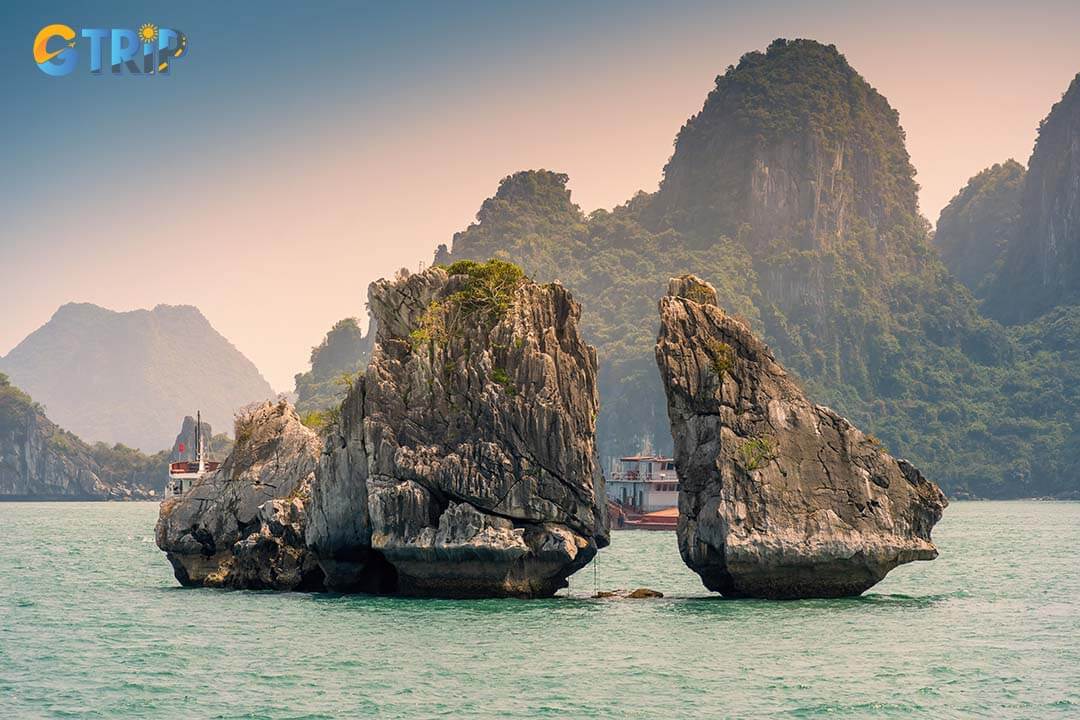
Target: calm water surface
x=92 y=624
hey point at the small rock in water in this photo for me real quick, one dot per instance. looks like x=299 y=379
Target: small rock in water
x=645 y=593
x=638 y=594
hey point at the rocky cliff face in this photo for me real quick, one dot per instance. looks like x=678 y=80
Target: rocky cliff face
x=35 y=465
x=779 y=498
x=188 y=438
x=464 y=463
x=1042 y=265
x=124 y=377
x=243 y=525
x=976 y=227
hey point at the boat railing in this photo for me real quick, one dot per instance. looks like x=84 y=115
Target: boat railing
x=638 y=476
x=188 y=467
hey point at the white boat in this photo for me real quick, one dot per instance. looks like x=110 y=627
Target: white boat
x=644 y=483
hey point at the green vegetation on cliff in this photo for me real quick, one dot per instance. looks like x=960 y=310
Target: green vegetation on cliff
x=794 y=150
x=617 y=270
x=14 y=405
x=485 y=294
x=40 y=459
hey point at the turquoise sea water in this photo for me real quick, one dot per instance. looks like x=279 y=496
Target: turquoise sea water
x=92 y=624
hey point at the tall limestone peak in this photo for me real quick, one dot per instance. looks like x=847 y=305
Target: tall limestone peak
x=130 y=377
x=976 y=227
x=1043 y=262
x=792 y=147
x=801 y=161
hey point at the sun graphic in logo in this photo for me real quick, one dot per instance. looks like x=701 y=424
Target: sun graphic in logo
x=148 y=33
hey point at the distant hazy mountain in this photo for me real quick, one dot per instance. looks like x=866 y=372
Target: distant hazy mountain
x=131 y=377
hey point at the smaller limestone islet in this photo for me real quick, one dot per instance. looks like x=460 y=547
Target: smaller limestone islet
x=779 y=498
x=636 y=594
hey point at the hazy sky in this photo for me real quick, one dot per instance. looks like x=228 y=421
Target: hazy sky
x=296 y=154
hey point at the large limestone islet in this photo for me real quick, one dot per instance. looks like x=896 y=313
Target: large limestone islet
x=465 y=462
x=462 y=462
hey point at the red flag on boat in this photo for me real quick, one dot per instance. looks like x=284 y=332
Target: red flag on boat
x=180 y=448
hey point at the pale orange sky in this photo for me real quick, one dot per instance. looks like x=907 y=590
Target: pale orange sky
x=295 y=208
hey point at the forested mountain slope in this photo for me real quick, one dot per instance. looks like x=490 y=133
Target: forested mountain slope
x=342 y=353
x=793 y=193
x=976 y=227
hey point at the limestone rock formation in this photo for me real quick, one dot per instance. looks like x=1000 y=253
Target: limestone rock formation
x=795 y=145
x=243 y=525
x=464 y=462
x=188 y=439
x=779 y=498
x=638 y=594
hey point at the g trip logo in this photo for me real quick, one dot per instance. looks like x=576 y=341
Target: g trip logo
x=150 y=50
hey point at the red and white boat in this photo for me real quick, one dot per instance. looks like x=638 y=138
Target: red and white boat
x=183 y=474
